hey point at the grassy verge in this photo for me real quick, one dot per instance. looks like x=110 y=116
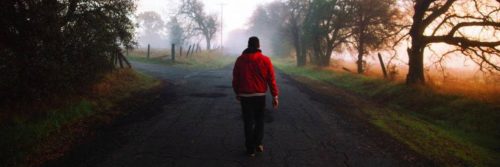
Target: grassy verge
x=31 y=137
x=200 y=60
x=449 y=129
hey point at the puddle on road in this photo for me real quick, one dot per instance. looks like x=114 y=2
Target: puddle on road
x=208 y=95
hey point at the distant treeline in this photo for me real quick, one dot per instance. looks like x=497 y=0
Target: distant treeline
x=49 y=47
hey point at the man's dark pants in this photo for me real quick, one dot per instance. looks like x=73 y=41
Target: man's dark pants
x=253 y=118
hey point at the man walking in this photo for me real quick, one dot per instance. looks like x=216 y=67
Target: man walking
x=252 y=73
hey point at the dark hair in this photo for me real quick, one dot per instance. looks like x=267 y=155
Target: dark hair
x=253 y=42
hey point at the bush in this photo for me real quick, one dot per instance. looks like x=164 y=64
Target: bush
x=50 y=47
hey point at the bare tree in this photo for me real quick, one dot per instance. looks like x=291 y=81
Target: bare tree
x=447 y=21
x=206 y=24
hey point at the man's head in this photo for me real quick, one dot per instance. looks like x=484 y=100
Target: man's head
x=253 y=42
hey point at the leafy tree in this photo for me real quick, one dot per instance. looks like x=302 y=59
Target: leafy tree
x=373 y=22
x=153 y=27
x=447 y=21
x=176 y=32
x=327 y=27
x=206 y=24
x=297 y=11
x=49 y=47
x=259 y=25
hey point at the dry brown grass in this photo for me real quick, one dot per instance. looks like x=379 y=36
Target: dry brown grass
x=467 y=83
x=117 y=80
x=452 y=130
x=211 y=59
x=153 y=53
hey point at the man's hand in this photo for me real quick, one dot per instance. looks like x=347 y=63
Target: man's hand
x=275 y=102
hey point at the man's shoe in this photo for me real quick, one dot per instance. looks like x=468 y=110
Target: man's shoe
x=251 y=153
x=260 y=148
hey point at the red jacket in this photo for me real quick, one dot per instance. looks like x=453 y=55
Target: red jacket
x=253 y=72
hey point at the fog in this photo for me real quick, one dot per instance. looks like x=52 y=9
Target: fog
x=236 y=41
x=264 y=19
x=235 y=20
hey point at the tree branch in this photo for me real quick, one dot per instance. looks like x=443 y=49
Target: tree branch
x=459 y=41
x=466 y=24
x=435 y=14
x=451 y=17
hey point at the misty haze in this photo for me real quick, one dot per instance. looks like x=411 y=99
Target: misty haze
x=249 y=83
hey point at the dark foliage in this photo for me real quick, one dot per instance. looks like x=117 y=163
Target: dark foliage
x=49 y=47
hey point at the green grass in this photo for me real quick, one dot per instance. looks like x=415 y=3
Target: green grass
x=198 y=61
x=29 y=133
x=452 y=130
x=20 y=137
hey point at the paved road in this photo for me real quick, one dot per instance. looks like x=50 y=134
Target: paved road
x=200 y=125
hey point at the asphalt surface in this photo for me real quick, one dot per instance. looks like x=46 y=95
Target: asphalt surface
x=196 y=121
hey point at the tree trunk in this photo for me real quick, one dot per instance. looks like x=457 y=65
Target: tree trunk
x=303 y=52
x=301 y=58
x=316 y=55
x=325 y=61
x=325 y=57
x=361 y=37
x=416 y=65
x=360 y=57
x=416 y=52
x=208 y=43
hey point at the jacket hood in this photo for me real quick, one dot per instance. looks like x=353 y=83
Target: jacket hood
x=251 y=50
x=250 y=53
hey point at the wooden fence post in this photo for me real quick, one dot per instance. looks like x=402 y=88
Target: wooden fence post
x=189 y=50
x=148 y=52
x=173 y=52
x=180 y=51
x=192 y=49
x=382 y=65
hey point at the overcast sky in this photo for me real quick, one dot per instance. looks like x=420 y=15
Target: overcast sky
x=236 y=12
